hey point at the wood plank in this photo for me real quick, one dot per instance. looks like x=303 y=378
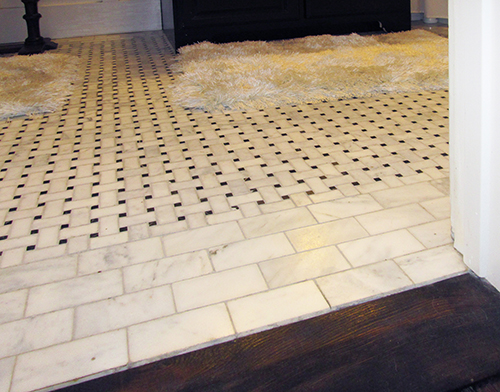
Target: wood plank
x=439 y=338
x=491 y=384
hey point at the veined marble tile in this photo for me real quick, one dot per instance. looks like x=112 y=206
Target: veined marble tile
x=433 y=234
x=73 y=292
x=394 y=218
x=69 y=361
x=123 y=311
x=443 y=184
x=303 y=266
x=12 y=257
x=363 y=282
x=344 y=208
x=218 y=287
x=36 y=332
x=326 y=234
x=380 y=247
x=276 y=222
x=33 y=274
x=12 y=305
x=202 y=238
x=117 y=256
x=250 y=251
x=6 y=369
x=432 y=264
x=407 y=194
x=181 y=331
x=290 y=303
x=439 y=208
x=168 y=270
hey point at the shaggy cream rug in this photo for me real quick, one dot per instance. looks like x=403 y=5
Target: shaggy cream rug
x=35 y=84
x=257 y=74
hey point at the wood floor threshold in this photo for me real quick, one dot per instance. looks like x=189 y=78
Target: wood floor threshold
x=442 y=337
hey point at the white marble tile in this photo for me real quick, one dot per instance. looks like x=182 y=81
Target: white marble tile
x=179 y=332
x=363 y=282
x=123 y=311
x=6 y=369
x=168 y=270
x=250 y=251
x=300 y=199
x=12 y=305
x=344 y=208
x=73 y=292
x=202 y=238
x=432 y=264
x=394 y=218
x=218 y=287
x=33 y=274
x=274 y=307
x=439 y=208
x=380 y=247
x=303 y=266
x=36 y=332
x=407 y=194
x=69 y=361
x=433 y=234
x=443 y=184
x=276 y=222
x=326 y=234
x=12 y=257
x=108 y=240
x=120 y=255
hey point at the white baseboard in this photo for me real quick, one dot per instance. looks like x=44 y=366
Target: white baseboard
x=417 y=16
x=83 y=19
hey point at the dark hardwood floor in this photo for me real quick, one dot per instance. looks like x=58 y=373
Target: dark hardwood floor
x=442 y=337
x=491 y=384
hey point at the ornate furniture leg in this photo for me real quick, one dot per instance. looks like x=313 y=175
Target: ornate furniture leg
x=35 y=43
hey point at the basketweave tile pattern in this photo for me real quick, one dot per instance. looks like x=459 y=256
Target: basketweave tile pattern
x=133 y=229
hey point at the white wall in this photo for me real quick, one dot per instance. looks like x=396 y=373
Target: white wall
x=429 y=9
x=475 y=133
x=417 y=6
x=74 y=18
x=436 y=9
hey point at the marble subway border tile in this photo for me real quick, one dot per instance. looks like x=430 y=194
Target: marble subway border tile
x=218 y=287
x=123 y=311
x=201 y=238
x=6 y=370
x=380 y=247
x=179 y=333
x=12 y=305
x=433 y=234
x=72 y=292
x=37 y=332
x=326 y=234
x=303 y=266
x=66 y=362
x=391 y=219
x=250 y=251
x=118 y=256
x=407 y=194
x=363 y=283
x=37 y=273
x=167 y=270
x=344 y=208
x=275 y=307
x=432 y=264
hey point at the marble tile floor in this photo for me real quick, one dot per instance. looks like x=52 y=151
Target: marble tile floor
x=133 y=229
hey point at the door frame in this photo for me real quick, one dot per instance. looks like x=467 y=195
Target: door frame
x=475 y=133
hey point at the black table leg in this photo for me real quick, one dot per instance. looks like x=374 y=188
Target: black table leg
x=35 y=43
